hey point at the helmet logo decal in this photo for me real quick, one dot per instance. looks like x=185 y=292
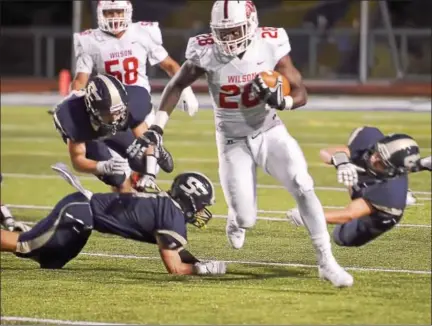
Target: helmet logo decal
x=250 y=8
x=92 y=90
x=194 y=187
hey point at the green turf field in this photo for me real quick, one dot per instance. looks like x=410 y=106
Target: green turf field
x=119 y=281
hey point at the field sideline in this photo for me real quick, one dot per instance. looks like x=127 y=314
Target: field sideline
x=272 y=280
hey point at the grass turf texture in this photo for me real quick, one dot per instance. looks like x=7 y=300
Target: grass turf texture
x=134 y=288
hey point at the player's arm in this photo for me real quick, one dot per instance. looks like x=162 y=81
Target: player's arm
x=357 y=208
x=77 y=153
x=80 y=81
x=83 y=65
x=169 y=65
x=184 y=77
x=326 y=154
x=286 y=67
x=179 y=261
x=9 y=241
x=173 y=263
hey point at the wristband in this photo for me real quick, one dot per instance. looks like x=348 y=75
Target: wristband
x=161 y=119
x=151 y=165
x=339 y=158
x=289 y=102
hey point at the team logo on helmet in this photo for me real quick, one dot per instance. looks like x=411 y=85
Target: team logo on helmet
x=250 y=8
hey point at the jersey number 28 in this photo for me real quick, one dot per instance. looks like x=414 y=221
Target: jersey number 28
x=129 y=66
x=247 y=99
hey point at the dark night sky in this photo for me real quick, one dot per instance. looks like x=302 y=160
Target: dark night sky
x=41 y=13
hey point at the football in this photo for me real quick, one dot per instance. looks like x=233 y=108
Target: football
x=270 y=76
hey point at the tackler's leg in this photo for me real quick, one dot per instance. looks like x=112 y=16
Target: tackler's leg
x=285 y=161
x=237 y=174
x=360 y=231
x=59 y=237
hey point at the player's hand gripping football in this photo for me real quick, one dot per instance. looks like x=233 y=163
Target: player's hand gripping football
x=274 y=96
x=210 y=267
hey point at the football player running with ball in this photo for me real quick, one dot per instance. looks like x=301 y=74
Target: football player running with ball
x=249 y=133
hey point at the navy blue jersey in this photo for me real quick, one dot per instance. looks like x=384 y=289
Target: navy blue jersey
x=387 y=196
x=140 y=217
x=73 y=122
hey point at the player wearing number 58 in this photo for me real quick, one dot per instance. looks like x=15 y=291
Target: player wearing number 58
x=121 y=48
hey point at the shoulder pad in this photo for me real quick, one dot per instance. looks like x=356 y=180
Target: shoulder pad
x=275 y=35
x=82 y=39
x=151 y=29
x=198 y=46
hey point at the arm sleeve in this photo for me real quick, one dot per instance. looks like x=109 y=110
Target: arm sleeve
x=282 y=44
x=192 y=52
x=171 y=239
x=84 y=61
x=156 y=51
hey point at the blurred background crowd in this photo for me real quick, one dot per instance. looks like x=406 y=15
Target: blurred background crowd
x=37 y=35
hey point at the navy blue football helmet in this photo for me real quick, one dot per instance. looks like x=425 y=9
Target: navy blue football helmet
x=193 y=191
x=106 y=100
x=399 y=154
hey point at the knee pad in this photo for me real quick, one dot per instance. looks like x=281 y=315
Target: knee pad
x=336 y=236
x=304 y=183
x=244 y=220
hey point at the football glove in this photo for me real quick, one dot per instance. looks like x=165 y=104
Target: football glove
x=293 y=215
x=210 y=267
x=116 y=165
x=21 y=227
x=165 y=160
x=153 y=136
x=148 y=180
x=188 y=101
x=346 y=171
x=273 y=97
x=426 y=163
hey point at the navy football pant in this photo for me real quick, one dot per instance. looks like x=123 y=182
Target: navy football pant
x=59 y=237
x=361 y=231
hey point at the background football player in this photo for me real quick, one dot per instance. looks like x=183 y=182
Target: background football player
x=157 y=218
x=99 y=123
x=122 y=48
x=249 y=132
x=374 y=167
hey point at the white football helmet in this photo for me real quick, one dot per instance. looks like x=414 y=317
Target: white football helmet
x=116 y=24
x=233 y=24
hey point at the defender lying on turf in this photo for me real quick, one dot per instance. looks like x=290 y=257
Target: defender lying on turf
x=374 y=167
x=159 y=218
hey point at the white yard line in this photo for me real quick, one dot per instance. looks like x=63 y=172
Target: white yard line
x=244 y=262
x=260 y=186
x=262 y=218
x=53 y=321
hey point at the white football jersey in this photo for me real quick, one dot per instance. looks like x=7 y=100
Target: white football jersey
x=124 y=58
x=238 y=112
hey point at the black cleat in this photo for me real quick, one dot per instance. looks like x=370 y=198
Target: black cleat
x=165 y=160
